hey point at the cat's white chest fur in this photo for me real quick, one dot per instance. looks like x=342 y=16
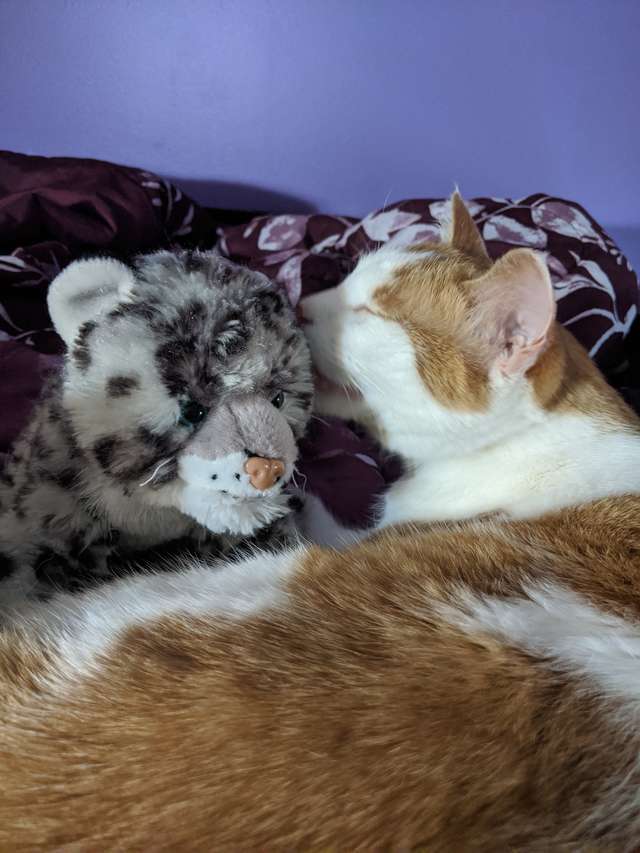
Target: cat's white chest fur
x=565 y=462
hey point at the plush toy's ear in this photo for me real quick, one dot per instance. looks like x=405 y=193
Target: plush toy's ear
x=85 y=289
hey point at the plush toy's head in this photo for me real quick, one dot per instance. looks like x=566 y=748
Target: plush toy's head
x=187 y=380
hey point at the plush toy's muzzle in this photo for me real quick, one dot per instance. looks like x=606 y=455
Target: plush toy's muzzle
x=242 y=455
x=244 y=446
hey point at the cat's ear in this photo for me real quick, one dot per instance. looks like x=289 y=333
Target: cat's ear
x=463 y=231
x=84 y=290
x=515 y=310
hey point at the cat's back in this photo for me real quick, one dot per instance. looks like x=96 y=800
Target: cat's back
x=468 y=686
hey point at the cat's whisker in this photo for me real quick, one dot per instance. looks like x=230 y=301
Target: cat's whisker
x=320 y=420
x=365 y=374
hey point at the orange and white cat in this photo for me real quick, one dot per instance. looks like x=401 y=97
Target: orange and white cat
x=468 y=678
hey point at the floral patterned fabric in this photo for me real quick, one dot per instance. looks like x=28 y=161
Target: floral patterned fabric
x=53 y=210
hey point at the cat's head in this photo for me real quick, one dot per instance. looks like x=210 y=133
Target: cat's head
x=182 y=372
x=437 y=347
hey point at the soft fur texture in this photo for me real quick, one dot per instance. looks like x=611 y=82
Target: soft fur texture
x=172 y=370
x=465 y=684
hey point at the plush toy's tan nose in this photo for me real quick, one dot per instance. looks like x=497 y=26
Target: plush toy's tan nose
x=263 y=473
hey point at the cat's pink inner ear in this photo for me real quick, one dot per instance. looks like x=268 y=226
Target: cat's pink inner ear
x=516 y=309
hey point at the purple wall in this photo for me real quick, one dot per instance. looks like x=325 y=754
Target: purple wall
x=336 y=105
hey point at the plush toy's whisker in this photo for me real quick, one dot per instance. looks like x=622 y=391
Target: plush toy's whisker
x=153 y=476
x=300 y=474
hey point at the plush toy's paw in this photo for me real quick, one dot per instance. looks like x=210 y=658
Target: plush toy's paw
x=222 y=513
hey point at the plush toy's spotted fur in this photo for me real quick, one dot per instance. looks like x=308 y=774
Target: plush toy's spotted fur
x=177 y=372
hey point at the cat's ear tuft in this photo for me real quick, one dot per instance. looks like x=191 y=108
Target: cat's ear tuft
x=463 y=231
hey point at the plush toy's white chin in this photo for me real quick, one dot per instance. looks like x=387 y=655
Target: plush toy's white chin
x=222 y=512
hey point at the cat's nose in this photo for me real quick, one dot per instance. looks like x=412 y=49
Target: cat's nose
x=263 y=473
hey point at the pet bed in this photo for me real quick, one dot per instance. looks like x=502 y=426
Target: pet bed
x=53 y=210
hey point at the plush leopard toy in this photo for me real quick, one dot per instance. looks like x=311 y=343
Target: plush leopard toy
x=174 y=423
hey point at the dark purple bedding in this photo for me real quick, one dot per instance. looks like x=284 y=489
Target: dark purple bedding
x=53 y=210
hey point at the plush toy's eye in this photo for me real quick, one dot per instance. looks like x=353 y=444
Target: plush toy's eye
x=278 y=400
x=192 y=413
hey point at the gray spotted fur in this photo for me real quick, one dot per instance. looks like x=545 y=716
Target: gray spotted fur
x=90 y=485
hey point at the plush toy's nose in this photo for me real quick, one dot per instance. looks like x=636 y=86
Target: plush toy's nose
x=263 y=473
